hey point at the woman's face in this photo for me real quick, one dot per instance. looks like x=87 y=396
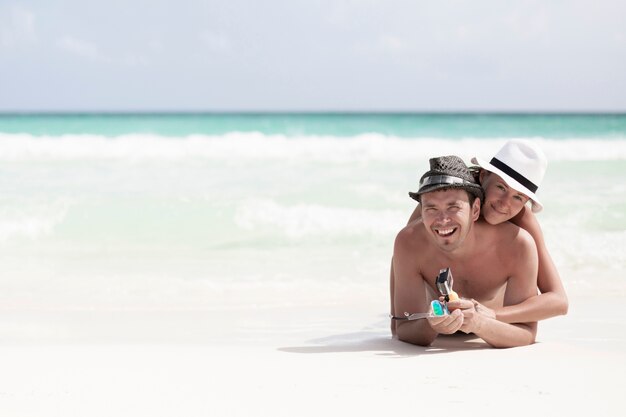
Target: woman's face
x=501 y=201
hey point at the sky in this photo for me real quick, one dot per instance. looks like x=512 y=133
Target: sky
x=322 y=55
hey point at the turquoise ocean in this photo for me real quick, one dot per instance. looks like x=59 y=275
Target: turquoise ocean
x=218 y=211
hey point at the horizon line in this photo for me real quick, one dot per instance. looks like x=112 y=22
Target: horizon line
x=306 y=112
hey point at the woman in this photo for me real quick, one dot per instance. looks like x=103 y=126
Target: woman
x=510 y=180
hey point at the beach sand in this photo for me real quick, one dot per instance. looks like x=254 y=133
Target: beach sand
x=328 y=360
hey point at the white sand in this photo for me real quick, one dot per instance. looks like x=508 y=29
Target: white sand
x=284 y=362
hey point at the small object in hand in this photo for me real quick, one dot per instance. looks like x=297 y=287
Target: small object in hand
x=444 y=282
x=453 y=296
x=439 y=308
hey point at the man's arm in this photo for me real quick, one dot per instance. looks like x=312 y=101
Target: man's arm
x=409 y=292
x=417 y=214
x=521 y=255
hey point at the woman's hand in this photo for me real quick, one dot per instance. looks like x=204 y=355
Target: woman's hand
x=485 y=311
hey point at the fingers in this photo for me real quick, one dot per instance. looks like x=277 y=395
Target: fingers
x=461 y=303
x=465 y=315
x=447 y=324
x=466 y=328
x=471 y=320
x=485 y=311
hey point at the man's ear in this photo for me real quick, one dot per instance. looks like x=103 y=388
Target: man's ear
x=476 y=209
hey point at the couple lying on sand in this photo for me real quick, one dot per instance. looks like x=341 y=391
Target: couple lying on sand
x=477 y=223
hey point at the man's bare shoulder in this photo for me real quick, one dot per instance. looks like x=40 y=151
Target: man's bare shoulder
x=412 y=244
x=413 y=234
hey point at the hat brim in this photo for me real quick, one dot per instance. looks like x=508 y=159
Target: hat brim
x=476 y=191
x=536 y=204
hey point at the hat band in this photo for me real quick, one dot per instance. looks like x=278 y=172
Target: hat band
x=442 y=179
x=514 y=174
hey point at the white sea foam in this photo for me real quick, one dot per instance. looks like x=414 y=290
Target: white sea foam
x=32 y=222
x=302 y=220
x=257 y=146
x=257 y=211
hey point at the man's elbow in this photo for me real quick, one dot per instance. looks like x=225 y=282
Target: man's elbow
x=415 y=338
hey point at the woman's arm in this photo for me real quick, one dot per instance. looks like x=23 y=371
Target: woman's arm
x=552 y=301
x=417 y=214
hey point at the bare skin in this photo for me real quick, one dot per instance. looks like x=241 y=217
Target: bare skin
x=486 y=260
x=552 y=301
x=503 y=203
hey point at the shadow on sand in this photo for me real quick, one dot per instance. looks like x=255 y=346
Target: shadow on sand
x=382 y=344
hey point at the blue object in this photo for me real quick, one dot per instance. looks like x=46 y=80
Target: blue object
x=439 y=308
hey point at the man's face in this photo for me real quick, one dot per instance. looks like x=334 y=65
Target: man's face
x=501 y=201
x=448 y=216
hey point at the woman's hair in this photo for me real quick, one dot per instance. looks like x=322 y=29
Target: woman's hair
x=475 y=171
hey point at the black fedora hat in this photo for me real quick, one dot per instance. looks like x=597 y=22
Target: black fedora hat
x=448 y=172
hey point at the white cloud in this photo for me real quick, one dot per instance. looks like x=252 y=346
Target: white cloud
x=81 y=48
x=155 y=45
x=385 y=45
x=17 y=27
x=136 y=60
x=392 y=43
x=215 y=41
x=528 y=24
x=361 y=54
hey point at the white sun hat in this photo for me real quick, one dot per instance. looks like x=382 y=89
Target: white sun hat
x=522 y=165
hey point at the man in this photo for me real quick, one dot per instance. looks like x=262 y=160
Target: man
x=485 y=260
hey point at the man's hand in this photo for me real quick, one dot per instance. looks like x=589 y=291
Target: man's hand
x=471 y=318
x=447 y=324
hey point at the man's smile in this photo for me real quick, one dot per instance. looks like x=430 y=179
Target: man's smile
x=445 y=232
